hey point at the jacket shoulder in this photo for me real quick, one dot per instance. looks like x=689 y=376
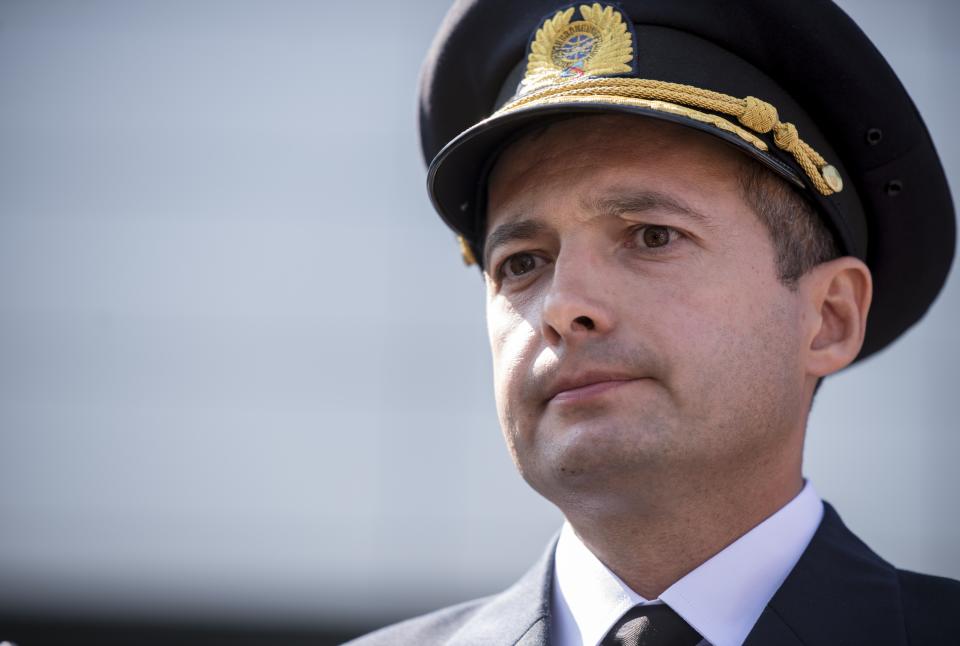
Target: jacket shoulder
x=931 y=607
x=519 y=614
x=432 y=628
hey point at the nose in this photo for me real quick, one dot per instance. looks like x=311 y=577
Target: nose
x=576 y=305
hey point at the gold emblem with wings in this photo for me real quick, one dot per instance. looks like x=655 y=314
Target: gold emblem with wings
x=598 y=45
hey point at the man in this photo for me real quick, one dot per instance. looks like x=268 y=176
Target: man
x=686 y=214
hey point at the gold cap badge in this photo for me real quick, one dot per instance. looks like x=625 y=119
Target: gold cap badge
x=599 y=45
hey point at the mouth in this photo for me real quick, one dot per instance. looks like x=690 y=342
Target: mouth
x=587 y=389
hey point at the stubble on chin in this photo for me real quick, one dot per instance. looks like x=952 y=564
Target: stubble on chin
x=592 y=447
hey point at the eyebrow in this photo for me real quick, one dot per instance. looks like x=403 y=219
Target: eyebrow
x=509 y=231
x=642 y=202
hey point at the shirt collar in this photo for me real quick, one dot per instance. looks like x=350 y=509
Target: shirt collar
x=722 y=598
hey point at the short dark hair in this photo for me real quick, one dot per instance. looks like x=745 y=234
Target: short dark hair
x=801 y=239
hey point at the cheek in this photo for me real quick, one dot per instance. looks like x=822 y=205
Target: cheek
x=731 y=342
x=703 y=314
x=512 y=343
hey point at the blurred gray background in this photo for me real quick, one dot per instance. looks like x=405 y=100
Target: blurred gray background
x=243 y=371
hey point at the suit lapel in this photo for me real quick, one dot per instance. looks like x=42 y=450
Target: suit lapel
x=771 y=629
x=839 y=593
x=519 y=616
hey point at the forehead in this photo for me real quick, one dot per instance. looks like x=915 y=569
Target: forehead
x=610 y=149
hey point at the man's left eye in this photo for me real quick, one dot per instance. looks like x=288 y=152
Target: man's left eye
x=656 y=236
x=652 y=236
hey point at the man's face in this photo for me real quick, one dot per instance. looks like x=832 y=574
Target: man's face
x=638 y=327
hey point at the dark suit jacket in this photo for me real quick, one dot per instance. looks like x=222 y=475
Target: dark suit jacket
x=839 y=594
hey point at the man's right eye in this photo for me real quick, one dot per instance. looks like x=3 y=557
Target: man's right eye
x=517 y=265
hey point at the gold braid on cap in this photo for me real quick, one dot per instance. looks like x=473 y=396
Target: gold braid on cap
x=757 y=115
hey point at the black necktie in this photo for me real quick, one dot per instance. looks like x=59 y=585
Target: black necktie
x=654 y=625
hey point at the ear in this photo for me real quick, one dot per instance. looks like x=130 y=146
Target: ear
x=837 y=297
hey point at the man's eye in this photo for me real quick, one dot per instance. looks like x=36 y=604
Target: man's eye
x=518 y=265
x=652 y=237
x=656 y=236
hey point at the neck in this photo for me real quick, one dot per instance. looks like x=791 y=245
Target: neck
x=653 y=541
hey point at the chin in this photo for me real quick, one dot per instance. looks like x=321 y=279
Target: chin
x=593 y=456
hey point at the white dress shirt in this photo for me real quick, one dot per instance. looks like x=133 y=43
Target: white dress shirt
x=722 y=598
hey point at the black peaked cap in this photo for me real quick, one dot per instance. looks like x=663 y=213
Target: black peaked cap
x=805 y=57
